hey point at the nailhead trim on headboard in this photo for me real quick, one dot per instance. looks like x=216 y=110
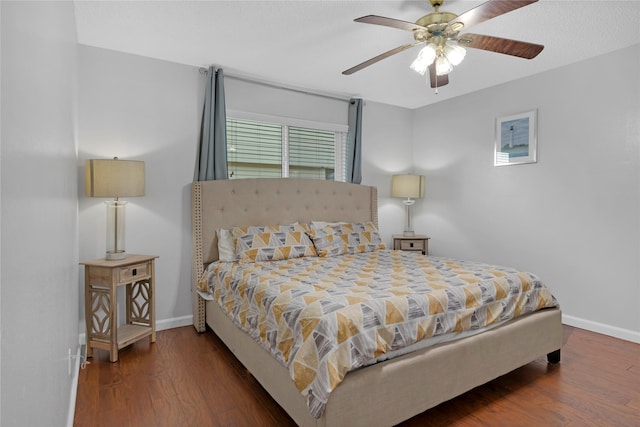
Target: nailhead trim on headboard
x=196 y=254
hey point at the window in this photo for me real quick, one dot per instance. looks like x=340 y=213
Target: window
x=273 y=150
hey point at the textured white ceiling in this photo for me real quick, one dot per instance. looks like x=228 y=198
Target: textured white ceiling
x=307 y=44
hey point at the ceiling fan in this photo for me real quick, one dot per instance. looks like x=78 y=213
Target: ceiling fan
x=444 y=45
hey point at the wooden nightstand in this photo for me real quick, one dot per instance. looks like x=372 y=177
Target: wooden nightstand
x=102 y=278
x=417 y=243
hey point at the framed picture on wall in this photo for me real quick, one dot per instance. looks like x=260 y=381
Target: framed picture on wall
x=516 y=139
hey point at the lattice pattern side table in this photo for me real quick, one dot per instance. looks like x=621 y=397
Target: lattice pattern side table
x=101 y=281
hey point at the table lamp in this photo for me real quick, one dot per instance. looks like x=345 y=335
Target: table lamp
x=114 y=178
x=409 y=187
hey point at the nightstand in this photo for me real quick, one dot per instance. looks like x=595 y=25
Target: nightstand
x=102 y=278
x=417 y=243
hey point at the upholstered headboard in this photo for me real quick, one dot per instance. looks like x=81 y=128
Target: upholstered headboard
x=242 y=202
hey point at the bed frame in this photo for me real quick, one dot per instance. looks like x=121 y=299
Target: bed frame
x=383 y=394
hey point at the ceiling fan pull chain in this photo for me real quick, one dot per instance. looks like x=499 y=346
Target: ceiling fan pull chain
x=436 y=84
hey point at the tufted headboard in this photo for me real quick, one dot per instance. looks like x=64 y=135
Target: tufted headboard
x=266 y=201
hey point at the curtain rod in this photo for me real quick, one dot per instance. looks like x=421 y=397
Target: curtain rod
x=203 y=70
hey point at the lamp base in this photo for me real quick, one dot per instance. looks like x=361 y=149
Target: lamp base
x=408 y=233
x=115 y=230
x=114 y=256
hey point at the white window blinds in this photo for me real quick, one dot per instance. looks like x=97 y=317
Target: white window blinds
x=266 y=150
x=311 y=154
x=254 y=150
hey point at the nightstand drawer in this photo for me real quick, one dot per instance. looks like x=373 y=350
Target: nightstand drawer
x=416 y=243
x=131 y=272
x=412 y=245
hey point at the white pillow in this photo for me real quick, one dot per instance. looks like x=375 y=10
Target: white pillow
x=319 y=225
x=226 y=250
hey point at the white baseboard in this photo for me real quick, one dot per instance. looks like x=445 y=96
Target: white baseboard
x=589 y=325
x=161 y=325
x=74 y=385
x=601 y=328
x=175 y=322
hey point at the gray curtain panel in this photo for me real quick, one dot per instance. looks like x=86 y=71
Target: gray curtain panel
x=211 y=160
x=354 y=171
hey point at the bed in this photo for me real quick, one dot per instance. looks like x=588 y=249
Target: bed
x=380 y=394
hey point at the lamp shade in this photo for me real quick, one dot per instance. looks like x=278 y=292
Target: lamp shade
x=454 y=53
x=425 y=57
x=408 y=186
x=114 y=178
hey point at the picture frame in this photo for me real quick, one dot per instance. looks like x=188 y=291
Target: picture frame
x=516 y=139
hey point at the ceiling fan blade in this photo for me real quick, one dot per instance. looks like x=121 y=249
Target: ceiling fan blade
x=379 y=58
x=390 y=22
x=489 y=10
x=500 y=45
x=437 y=81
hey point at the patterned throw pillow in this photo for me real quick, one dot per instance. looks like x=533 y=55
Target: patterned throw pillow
x=274 y=246
x=253 y=229
x=359 y=236
x=328 y=243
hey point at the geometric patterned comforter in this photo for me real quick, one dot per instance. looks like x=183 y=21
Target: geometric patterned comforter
x=322 y=317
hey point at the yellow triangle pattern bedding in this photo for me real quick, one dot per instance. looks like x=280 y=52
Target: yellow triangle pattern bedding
x=324 y=316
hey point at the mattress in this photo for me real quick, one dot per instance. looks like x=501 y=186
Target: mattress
x=322 y=317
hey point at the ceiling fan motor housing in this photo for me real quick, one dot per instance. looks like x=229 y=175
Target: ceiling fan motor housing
x=436 y=24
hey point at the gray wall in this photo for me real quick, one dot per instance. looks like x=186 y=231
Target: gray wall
x=143 y=109
x=386 y=150
x=572 y=218
x=39 y=313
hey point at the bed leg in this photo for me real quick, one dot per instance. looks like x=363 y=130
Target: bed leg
x=554 y=357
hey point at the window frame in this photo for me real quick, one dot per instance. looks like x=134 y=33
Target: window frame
x=339 y=130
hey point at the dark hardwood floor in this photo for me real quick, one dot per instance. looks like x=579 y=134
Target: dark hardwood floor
x=191 y=379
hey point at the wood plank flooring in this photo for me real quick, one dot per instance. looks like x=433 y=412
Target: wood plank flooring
x=191 y=379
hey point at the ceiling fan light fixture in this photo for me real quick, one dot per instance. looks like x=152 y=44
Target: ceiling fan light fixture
x=454 y=53
x=443 y=66
x=425 y=58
